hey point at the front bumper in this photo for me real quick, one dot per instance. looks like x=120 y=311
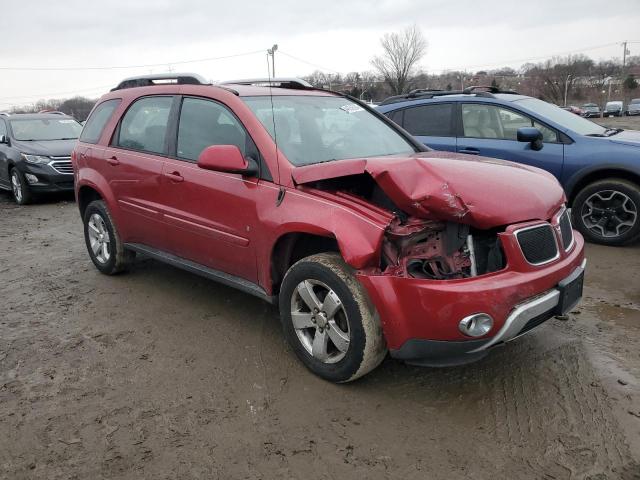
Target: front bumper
x=420 y=317
x=48 y=179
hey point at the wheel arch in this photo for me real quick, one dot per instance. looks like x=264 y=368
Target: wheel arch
x=576 y=184
x=293 y=246
x=86 y=194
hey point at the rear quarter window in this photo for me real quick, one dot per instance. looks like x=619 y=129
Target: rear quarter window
x=98 y=119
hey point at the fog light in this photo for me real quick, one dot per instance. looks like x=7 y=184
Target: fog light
x=31 y=178
x=476 y=325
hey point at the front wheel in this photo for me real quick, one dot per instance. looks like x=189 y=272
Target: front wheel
x=608 y=212
x=329 y=320
x=19 y=187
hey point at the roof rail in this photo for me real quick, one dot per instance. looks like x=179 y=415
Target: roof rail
x=480 y=91
x=288 y=82
x=5 y=114
x=54 y=112
x=161 y=79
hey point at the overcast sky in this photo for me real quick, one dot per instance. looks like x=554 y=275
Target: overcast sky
x=329 y=35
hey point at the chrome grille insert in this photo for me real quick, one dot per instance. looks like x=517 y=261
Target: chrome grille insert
x=62 y=165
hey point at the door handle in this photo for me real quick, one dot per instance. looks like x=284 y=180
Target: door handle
x=469 y=151
x=113 y=161
x=174 y=177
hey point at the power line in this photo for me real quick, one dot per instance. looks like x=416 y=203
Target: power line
x=43 y=95
x=124 y=67
x=308 y=63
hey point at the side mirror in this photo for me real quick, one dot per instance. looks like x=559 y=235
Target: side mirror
x=4 y=139
x=531 y=135
x=226 y=158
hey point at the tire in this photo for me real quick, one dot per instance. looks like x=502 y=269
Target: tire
x=623 y=204
x=19 y=187
x=110 y=257
x=331 y=280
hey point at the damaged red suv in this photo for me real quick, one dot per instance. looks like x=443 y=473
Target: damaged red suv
x=366 y=240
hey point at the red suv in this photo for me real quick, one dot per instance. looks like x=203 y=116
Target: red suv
x=368 y=241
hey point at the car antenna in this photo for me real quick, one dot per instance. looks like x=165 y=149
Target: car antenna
x=281 y=190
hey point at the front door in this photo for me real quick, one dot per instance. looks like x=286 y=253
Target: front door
x=210 y=216
x=491 y=131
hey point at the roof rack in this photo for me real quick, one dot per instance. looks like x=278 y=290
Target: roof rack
x=479 y=90
x=284 y=82
x=54 y=112
x=5 y=114
x=161 y=79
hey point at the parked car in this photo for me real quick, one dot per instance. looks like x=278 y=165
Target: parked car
x=35 y=153
x=590 y=110
x=367 y=240
x=633 y=107
x=599 y=167
x=573 y=109
x=612 y=109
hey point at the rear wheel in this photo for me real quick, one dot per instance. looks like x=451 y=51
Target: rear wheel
x=608 y=212
x=329 y=320
x=19 y=187
x=103 y=242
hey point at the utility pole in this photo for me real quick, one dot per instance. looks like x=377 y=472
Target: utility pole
x=625 y=52
x=566 y=89
x=272 y=52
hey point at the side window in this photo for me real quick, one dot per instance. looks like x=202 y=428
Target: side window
x=3 y=127
x=144 y=126
x=490 y=121
x=97 y=120
x=204 y=123
x=430 y=120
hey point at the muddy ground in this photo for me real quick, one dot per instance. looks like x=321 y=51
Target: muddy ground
x=161 y=374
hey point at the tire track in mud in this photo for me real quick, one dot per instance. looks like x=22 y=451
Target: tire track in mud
x=553 y=419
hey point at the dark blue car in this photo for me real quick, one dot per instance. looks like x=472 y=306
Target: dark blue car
x=598 y=167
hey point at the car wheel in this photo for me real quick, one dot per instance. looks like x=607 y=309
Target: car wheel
x=329 y=320
x=19 y=188
x=103 y=242
x=608 y=212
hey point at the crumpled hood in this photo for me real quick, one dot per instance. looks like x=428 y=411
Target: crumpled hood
x=478 y=191
x=50 y=148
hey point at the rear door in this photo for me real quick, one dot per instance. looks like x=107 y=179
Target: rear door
x=432 y=124
x=491 y=131
x=211 y=216
x=133 y=163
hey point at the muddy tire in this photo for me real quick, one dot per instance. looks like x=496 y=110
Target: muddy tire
x=329 y=320
x=103 y=242
x=608 y=212
x=19 y=187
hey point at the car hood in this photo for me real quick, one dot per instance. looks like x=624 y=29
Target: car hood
x=626 y=137
x=482 y=192
x=51 y=148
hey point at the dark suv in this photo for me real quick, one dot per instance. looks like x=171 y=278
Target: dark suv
x=35 y=153
x=366 y=240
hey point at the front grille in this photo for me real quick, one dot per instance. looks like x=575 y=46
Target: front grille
x=538 y=244
x=566 y=230
x=62 y=166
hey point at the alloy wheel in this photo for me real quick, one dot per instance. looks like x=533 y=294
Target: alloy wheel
x=320 y=321
x=16 y=186
x=99 y=238
x=609 y=213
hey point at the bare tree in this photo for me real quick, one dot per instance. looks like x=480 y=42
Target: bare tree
x=402 y=51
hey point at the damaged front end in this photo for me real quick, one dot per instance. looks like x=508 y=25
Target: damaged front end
x=439 y=250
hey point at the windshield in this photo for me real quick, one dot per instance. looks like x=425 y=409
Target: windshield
x=29 y=129
x=563 y=118
x=314 y=129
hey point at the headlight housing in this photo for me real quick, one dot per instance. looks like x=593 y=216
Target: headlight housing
x=37 y=159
